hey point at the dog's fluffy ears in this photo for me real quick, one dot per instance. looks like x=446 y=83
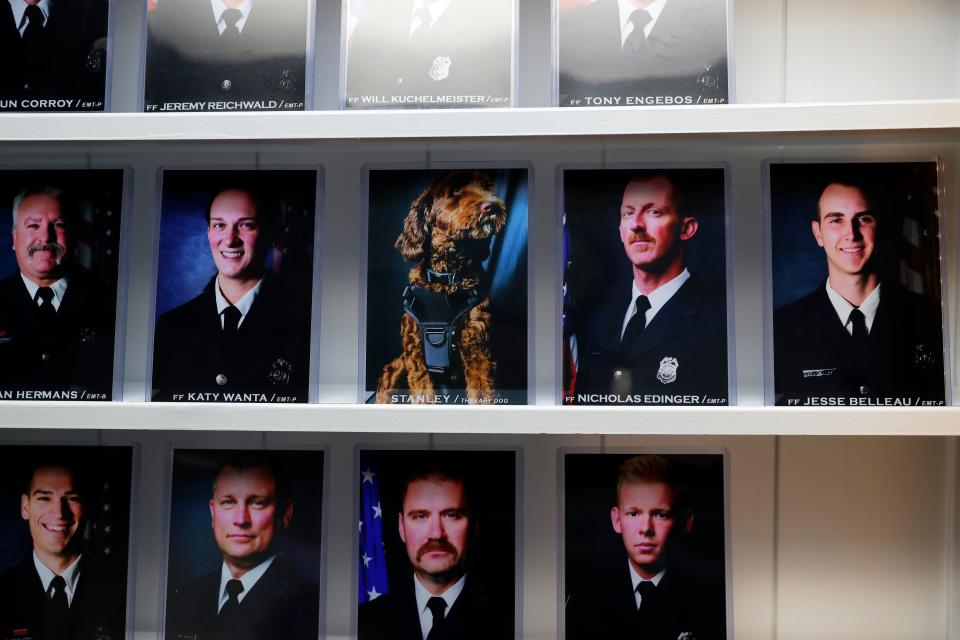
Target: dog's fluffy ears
x=412 y=241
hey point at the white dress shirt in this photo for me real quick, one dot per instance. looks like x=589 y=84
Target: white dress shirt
x=243 y=304
x=219 y=7
x=449 y=596
x=71 y=576
x=658 y=297
x=435 y=7
x=248 y=580
x=19 y=8
x=626 y=10
x=59 y=289
x=636 y=579
x=843 y=308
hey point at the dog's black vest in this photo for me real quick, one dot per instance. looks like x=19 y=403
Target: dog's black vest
x=436 y=314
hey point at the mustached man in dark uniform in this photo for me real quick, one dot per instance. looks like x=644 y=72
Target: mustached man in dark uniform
x=56 y=593
x=663 y=331
x=652 y=595
x=234 y=50
x=442 y=599
x=674 y=50
x=53 y=49
x=856 y=336
x=246 y=332
x=255 y=595
x=422 y=48
x=56 y=323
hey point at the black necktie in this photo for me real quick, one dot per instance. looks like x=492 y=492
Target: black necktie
x=45 y=294
x=646 y=590
x=437 y=606
x=636 y=42
x=637 y=323
x=234 y=589
x=230 y=18
x=231 y=320
x=859 y=323
x=34 y=23
x=57 y=609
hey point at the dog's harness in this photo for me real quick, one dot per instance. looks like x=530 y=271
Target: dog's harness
x=436 y=314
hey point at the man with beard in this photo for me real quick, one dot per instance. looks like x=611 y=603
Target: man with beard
x=56 y=593
x=663 y=331
x=441 y=600
x=56 y=324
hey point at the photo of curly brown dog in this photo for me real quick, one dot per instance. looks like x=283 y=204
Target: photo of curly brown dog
x=445 y=329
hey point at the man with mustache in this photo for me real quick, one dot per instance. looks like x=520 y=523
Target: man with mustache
x=56 y=323
x=57 y=593
x=441 y=600
x=663 y=331
x=857 y=335
x=256 y=594
x=246 y=332
x=652 y=595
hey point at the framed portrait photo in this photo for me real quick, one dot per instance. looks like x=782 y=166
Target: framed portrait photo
x=446 y=286
x=59 y=316
x=235 y=281
x=437 y=544
x=856 y=284
x=66 y=529
x=645 y=548
x=643 y=53
x=645 y=286
x=245 y=544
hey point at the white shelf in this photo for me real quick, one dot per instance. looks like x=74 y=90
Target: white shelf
x=484 y=420
x=484 y=123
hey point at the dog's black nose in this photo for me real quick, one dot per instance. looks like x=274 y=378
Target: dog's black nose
x=488 y=207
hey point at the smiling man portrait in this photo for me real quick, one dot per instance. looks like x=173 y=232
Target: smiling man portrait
x=57 y=593
x=56 y=324
x=861 y=334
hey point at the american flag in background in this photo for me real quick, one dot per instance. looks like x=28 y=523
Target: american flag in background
x=372 y=562
x=921 y=239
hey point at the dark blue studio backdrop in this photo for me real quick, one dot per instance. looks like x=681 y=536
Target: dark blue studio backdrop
x=390 y=194
x=193 y=552
x=905 y=195
x=95 y=197
x=185 y=264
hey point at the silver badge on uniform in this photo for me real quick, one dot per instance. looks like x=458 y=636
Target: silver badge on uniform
x=668 y=370
x=923 y=357
x=686 y=635
x=221 y=379
x=281 y=371
x=288 y=81
x=87 y=336
x=440 y=69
